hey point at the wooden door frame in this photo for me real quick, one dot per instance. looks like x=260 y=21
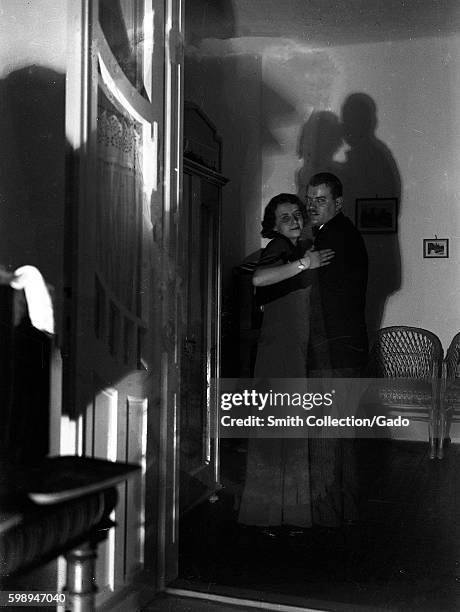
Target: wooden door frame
x=169 y=357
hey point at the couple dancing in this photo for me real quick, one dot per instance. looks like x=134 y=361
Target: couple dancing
x=313 y=326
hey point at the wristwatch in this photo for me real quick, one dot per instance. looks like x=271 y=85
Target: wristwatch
x=302 y=265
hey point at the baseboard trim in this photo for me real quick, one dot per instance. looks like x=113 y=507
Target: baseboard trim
x=236 y=601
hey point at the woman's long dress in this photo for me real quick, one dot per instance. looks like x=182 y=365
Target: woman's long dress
x=277 y=487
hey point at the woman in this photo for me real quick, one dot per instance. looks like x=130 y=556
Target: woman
x=277 y=488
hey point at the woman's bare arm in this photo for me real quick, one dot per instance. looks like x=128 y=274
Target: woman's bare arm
x=310 y=260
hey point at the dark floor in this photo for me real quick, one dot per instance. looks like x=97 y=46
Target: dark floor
x=403 y=555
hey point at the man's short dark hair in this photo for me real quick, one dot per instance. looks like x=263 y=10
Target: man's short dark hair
x=328 y=179
x=269 y=220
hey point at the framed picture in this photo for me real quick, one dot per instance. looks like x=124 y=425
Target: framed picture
x=434 y=248
x=377 y=215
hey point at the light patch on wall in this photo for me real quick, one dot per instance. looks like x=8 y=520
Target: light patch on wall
x=303 y=76
x=297 y=81
x=340 y=156
x=281 y=48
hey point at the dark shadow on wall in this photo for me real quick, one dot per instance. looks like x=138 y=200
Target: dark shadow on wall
x=32 y=163
x=320 y=140
x=209 y=19
x=32 y=168
x=369 y=170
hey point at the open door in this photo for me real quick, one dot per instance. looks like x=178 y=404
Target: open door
x=114 y=112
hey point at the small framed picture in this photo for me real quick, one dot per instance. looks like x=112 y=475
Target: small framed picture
x=434 y=248
x=377 y=215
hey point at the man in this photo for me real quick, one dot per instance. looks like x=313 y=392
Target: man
x=338 y=339
x=338 y=343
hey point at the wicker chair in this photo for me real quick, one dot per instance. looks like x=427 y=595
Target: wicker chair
x=410 y=358
x=450 y=392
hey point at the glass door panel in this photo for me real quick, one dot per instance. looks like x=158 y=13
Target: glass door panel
x=128 y=29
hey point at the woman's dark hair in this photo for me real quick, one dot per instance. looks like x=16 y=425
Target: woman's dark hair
x=269 y=219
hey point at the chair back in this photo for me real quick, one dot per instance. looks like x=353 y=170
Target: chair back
x=452 y=359
x=406 y=352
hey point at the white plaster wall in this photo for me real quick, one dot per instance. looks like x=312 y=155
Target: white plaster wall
x=416 y=86
x=32 y=32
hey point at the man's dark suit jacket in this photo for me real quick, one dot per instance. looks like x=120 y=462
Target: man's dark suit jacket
x=338 y=336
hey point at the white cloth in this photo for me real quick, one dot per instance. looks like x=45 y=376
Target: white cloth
x=37 y=295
